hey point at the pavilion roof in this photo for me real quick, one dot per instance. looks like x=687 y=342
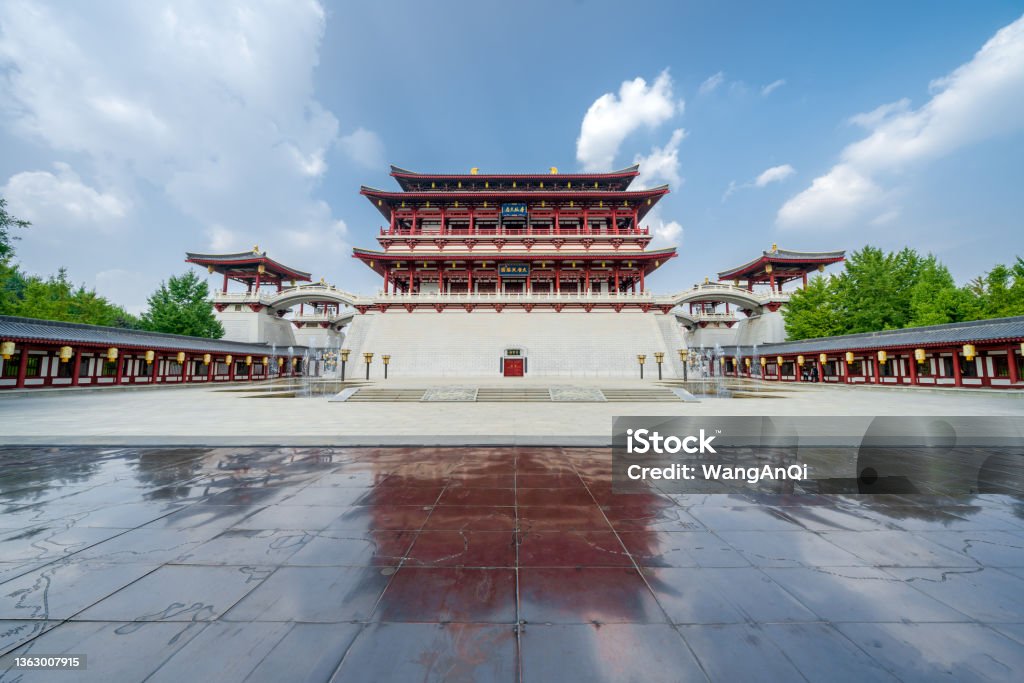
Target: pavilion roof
x=387 y=198
x=245 y=263
x=1010 y=330
x=410 y=179
x=797 y=261
x=33 y=330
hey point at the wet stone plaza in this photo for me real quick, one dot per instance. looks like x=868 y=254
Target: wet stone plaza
x=486 y=564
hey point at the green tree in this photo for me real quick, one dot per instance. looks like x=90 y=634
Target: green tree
x=182 y=306
x=56 y=298
x=935 y=299
x=12 y=288
x=7 y=224
x=873 y=292
x=811 y=312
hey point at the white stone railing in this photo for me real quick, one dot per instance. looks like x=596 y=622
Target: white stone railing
x=292 y=296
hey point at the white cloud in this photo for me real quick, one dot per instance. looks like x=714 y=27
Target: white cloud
x=211 y=104
x=772 y=87
x=662 y=164
x=876 y=116
x=774 y=174
x=364 y=147
x=668 y=234
x=60 y=203
x=612 y=118
x=979 y=100
x=834 y=198
x=711 y=83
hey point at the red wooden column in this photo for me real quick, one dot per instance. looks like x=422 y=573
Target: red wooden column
x=616 y=278
x=586 y=280
x=231 y=370
x=472 y=221
x=412 y=270
x=469 y=277
x=877 y=378
x=387 y=278
x=558 y=273
x=1011 y=360
x=558 y=227
x=641 y=278
x=805 y=280
x=586 y=221
x=771 y=280
x=820 y=366
x=958 y=378
x=209 y=368
x=184 y=370
x=846 y=370
x=22 y=368
x=153 y=375
x=778 y=368
x=636 y=219
x=76 y=371
x=119 y=374
x=252 y=367
x=225 y=282
x=391 y=229
x=912 y=367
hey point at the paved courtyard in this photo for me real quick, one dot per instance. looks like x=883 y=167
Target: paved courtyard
x=486 y=564
x=251 y=415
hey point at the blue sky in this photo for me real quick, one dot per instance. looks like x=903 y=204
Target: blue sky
x=132 y=132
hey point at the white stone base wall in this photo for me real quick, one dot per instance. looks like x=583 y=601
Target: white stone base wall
x=243 y=324
x=316 y=337
x=766 y=328
x=566 y=344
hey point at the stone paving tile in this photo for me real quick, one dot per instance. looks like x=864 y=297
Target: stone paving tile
x=264 y=548
x=587 y=595
x=860 y=594
x=470 y=563
x=822 y=653
x=63 y=589
x=984 y=593
x=114 y=651
x=723 y=595
x=738 y=652
x=450 y=594
x=606 y=653
x=178 y=593
x=929 y=652
x=430 y=652
x=315 y=594
x=353 y=548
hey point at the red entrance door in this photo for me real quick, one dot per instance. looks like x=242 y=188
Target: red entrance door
x=513 y=367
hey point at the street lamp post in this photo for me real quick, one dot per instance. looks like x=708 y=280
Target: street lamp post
x=387 y=359
x=344 y=360
x=682 y=359
x=641 y=358
x=367 y=357
x=659 y=358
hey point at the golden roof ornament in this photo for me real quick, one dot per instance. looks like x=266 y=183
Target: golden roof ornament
x=255 y=248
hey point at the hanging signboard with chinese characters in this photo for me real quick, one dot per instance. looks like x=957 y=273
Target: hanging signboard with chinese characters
x=513 y=211
x=513 y=270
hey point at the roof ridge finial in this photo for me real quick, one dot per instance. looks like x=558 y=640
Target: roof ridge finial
x=775 y=247
x=255 y=248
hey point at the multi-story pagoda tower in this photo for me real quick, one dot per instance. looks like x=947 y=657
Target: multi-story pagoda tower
x=572 y=236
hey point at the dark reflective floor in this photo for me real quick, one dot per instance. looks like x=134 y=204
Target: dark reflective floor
x=496 y=564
